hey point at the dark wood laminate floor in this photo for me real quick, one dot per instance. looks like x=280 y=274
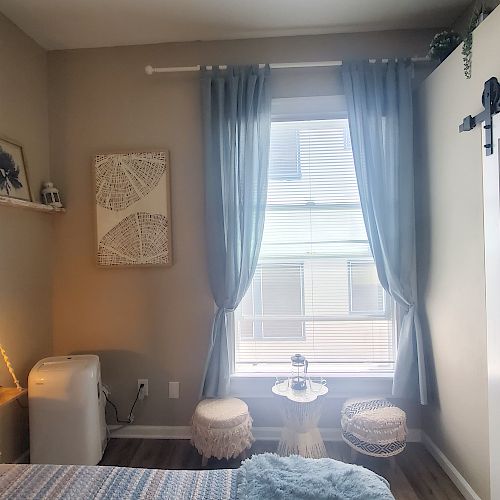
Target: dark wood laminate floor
x=416 y=476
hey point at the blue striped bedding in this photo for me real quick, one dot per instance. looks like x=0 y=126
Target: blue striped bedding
x=57 y=482
x=263 y=477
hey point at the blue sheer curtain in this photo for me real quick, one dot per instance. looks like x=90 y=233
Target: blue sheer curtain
x=379 y=103
x=236 y=107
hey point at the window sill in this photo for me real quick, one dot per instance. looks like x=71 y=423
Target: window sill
x=338 y=375
x=340 y=385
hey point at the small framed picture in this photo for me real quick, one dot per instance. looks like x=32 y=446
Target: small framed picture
x=13 y=177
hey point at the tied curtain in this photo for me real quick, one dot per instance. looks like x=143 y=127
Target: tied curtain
x=379 y=104
x=236 y=109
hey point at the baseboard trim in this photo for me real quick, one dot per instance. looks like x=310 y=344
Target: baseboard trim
x=260 y=433
x=451 y=471
x=331 y=434
x=150 y=431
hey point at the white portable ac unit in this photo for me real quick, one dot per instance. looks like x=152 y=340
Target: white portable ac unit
x=66 y=411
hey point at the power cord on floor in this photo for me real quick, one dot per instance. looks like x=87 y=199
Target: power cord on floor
x=130 y=418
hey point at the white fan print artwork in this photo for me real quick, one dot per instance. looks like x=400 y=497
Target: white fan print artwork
x=133 y=219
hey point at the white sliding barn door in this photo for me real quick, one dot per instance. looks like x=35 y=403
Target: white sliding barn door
x=491 y=189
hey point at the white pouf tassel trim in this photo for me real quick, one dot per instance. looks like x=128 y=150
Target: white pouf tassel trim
x=374 y=427
x=221 y=428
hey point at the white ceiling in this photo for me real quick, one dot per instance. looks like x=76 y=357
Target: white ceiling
x=66 y=24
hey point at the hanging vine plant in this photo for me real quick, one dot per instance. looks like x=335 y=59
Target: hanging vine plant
x=477 y=17
x=467 y=46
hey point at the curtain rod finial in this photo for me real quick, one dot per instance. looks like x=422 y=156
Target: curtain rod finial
x=149 y=69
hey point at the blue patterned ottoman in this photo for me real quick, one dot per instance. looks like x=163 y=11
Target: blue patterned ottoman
x=374 y=427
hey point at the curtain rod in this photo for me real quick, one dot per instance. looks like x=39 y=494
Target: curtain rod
x=317 y=64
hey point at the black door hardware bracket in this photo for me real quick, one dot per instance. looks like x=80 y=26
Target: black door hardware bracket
x=491 y=103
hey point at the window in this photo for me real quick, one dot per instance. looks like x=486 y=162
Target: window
x=274 y=307
x=366 y=295
x=285 y=154
x=315 y=290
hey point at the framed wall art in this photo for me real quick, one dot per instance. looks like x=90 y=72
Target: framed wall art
x=133 y=209
x=13 y=176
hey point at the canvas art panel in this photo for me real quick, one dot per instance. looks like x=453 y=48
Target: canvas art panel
x=13 y=176
x=133 y=209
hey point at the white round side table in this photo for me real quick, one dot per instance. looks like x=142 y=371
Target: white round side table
x=301 y=411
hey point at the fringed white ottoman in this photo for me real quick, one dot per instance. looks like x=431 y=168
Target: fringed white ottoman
x=221 y=428
x=374 y=427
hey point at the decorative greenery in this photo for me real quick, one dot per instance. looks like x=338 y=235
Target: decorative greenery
x=9 y=173
x=443 y=44
x=467 y=46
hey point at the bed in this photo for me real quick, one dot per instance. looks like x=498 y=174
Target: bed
x=262 y=477
x=103 y=482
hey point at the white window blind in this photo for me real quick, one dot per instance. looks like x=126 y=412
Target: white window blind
x=315 y=290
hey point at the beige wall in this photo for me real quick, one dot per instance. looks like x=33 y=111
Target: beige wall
x=155 y=323
x=451 y=246
x=25 y=237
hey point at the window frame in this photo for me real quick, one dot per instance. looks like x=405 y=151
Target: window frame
x=306 y=109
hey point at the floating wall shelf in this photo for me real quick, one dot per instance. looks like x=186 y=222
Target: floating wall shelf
x=30 y=205
x=8 y=394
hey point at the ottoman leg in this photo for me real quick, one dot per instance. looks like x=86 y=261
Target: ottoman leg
x=204 y=461
x=392 y=462
x=354 y=455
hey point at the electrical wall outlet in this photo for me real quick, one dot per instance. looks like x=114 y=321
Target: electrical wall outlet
x=145 y=390
x=173 y=390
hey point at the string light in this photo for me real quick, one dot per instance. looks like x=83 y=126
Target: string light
x=9 y=367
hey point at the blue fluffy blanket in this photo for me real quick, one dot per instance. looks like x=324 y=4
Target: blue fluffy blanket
x=270 y=477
